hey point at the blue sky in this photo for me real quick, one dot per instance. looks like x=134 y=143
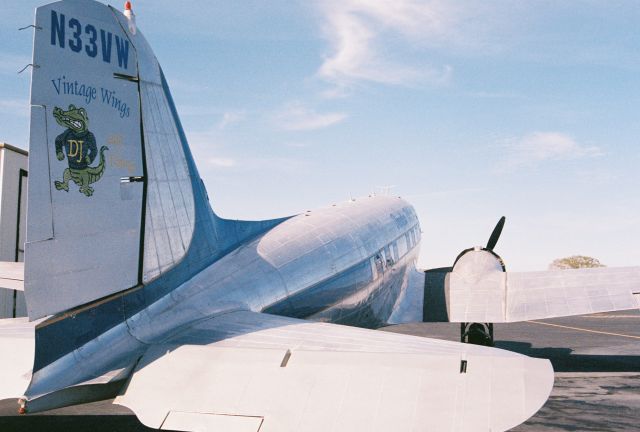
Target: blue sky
x=469 y=110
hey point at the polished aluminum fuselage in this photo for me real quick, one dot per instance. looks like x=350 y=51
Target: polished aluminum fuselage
x=346 y=263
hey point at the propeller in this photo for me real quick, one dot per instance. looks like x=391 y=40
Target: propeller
x=495 y=235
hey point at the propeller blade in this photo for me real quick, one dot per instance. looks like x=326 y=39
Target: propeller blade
x=495 y=235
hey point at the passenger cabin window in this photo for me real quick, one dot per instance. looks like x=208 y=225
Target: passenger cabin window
x=379 y=263
x=402 y=246
x=389 y=257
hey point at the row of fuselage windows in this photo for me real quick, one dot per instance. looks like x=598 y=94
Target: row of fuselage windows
x=394 y=251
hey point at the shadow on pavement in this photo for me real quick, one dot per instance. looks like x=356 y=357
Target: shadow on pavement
x=564 y=360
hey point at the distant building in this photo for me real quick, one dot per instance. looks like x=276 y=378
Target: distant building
x=13 y=212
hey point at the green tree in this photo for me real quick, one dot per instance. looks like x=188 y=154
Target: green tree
x=575 y=262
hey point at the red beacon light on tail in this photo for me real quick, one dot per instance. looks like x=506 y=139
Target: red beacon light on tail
x=128 y=12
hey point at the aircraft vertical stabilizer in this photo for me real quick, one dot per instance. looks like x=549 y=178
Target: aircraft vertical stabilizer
x=85 y=206
x=114 y=195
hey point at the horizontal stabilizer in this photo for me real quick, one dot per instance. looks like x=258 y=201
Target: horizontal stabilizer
x=17 y=341
x=12 y=275
x=249 y=371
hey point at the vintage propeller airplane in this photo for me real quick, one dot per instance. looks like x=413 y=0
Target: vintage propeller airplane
x=137 y=290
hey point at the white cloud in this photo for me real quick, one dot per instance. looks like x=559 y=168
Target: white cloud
x=207 y=139
x=297 y=117
x=208 y=149
x=231 y=117
x=221 y=162
x=538 y=147
x=215 y=154
x=362 y=35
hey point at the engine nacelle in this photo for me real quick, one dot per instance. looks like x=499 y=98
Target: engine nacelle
x=484 y=269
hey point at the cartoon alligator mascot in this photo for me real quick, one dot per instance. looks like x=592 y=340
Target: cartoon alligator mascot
x=79 y=144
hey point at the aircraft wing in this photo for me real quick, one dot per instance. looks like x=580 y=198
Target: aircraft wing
x=17 y=345
x=247 y=371
x=12 y=275
x=511 y=297
x=477 y=289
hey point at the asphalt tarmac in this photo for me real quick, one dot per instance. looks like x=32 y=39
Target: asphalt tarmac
x=597 y=381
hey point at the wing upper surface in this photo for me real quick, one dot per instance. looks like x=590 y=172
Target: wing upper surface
x=510 y=297
x=247 y=371
x=535 y=295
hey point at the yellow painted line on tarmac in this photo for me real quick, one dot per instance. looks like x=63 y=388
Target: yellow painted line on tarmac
x=586 y=330
x=611 y=316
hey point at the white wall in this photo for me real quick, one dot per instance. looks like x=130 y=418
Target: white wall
x=12 y=160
